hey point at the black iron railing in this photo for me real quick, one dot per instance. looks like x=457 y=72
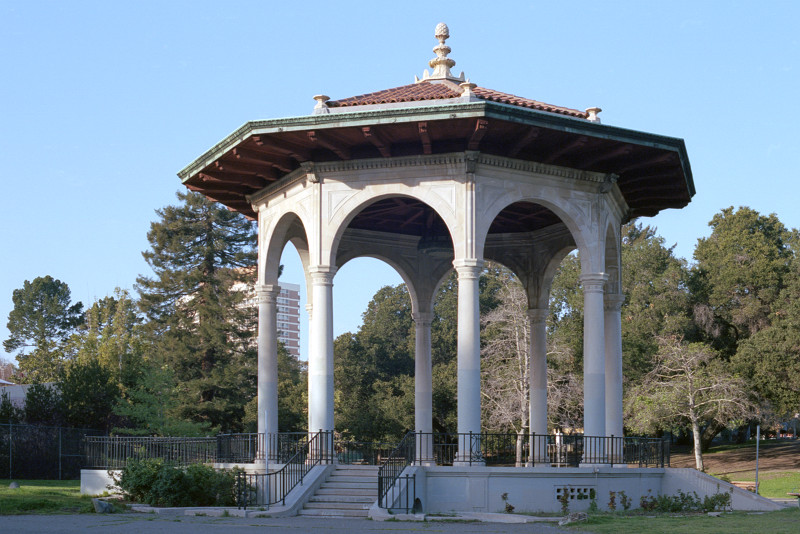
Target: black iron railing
x=263 y=489
x=113 y=452
x=539 y=449
x=389 y=486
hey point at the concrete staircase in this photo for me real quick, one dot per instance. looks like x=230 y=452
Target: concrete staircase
x=349 y=492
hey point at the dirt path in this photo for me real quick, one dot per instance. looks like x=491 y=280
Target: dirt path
x=773 y=456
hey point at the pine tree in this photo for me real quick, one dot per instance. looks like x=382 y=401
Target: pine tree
x=199 y=324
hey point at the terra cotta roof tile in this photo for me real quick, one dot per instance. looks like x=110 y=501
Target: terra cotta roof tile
x=434 y=91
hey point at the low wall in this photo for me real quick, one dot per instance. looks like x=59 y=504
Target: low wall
x=96 y=481
x=537 y=489
x=530 y=489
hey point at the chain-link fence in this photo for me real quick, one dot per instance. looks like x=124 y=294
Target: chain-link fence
x=42 y=452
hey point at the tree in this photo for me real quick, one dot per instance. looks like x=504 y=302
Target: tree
x=198 y=324
x=88 y=392
x=43 y=405
x=151 y=408
x=741 y=269
x=770 y=358
x=689 y=387
x=9 y=414
x=42 y=319
x=505 y=365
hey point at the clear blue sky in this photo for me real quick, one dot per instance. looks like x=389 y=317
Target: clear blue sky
x=101 y=103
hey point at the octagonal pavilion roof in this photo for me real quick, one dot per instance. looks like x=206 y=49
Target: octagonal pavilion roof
x=442 y=113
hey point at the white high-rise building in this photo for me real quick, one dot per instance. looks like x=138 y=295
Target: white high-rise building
x=289 y=317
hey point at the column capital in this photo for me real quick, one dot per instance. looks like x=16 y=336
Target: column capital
x=422 y=318
x=537 y=315
x=468 y=267
x=593 y=282
x=613 y=301
x=322 y=274
x=267 y=293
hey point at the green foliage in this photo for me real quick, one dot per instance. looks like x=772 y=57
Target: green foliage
x=685 y=502
x=198 y=328
x=624 y=500
x=43 y=405
x=741 y=269
x=88 y=393
x=41 y=321
x=8 y=412
x=154 y=482
x=149 y=406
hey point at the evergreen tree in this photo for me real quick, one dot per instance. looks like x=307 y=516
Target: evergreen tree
x=199 y=326
x=42 y=320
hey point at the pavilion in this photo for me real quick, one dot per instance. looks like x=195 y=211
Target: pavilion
x=437 y=175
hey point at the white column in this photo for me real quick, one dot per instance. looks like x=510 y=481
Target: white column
x=469 y=355
x=594 y=349
x=266 y=296
x=613 y=335
x=538 y=383
x=423 y=386
x=320 y=356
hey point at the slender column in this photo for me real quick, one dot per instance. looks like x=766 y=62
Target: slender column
x=594 y=348
x=320 y=356
x=613 y=335
x=538 y=383
x=267 y=296
x=423 y=387
x=469 y=356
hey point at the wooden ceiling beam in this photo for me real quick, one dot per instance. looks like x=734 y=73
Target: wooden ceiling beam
x=424 y=137
x=647 y=162
x=481 y=128
x=378 y=140
x=282 y=163
x=529 y=137
x=214 y=178
x=625 y=150
x=325 y=141
x=298 y=152
x=579 y=142
x=237 y=167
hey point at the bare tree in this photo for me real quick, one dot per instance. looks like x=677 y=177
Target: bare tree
x=688 y=387
x=505 y=367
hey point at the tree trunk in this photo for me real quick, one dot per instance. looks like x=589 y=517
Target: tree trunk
x=520 y=436
x=698 y=454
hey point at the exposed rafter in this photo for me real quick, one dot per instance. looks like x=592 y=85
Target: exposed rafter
x=481 y=127
x=422 y=127
x=378 y=140
x=325 y=141
x=296 y=151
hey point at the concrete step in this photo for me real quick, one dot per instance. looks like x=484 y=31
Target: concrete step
x=353 y=492
x=348 y=478
x=333 y=513
x=363 y=499
x=350 y=485
x=336 y=506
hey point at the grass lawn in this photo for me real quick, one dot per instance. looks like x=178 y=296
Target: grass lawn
x=772 y=484
x=44 y=497
x=780 y=522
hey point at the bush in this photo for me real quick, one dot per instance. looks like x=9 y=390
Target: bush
x=159 y=484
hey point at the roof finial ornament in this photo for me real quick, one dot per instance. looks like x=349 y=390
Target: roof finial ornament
x=441 y=64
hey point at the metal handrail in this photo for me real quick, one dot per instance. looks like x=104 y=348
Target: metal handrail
x=390 y=470
x=271 y=488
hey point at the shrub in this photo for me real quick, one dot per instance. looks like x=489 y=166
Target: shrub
x=159 y=484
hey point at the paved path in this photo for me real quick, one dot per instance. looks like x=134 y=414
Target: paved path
x=178 y=524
